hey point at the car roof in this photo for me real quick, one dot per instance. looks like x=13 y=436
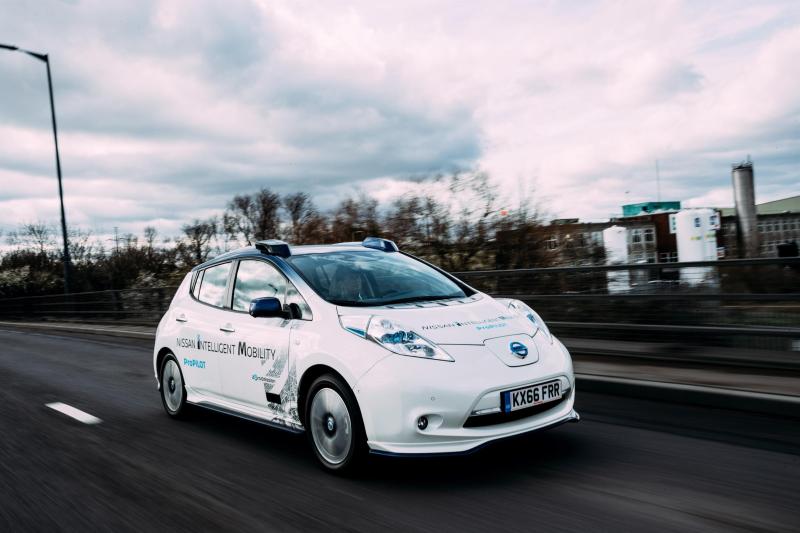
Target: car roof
x=252 y=251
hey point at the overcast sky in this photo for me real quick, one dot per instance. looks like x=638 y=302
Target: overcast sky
x=167 y=109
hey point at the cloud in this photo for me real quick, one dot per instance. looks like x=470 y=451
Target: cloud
x=168 y=108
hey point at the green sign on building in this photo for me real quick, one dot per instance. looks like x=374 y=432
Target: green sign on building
x=648 y=208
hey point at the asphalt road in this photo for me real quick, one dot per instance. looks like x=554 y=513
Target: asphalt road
x=631 y=465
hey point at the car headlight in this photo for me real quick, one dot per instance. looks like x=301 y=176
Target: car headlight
x=523 y=309
x=393 y=336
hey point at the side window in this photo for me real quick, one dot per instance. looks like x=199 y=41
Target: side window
x=212 y=285
x=293 y=296
x=257 y=279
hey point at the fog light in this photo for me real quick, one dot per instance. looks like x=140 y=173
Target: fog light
x=422 y=422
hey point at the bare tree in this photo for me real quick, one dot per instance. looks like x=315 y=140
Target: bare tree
x=196 y=246
x=476 y=215
x=521 y=234
x=150 y=234
x=404 y=222
x=453 y=220
x=307 y=225
x=267 y=220
x=81 y=246
x=355 y=218
x=450 y=219
x=238 y=219
x=253 y=217
x=37 y=235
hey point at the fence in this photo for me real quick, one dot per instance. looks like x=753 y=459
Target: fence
x=131 y=306
x=752 y=303
x=737 y=302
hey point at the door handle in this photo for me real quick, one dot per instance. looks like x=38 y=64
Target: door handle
x=227 y=328
x=181 y=318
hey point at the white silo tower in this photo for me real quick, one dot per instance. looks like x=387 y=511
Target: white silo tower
x=615 y=242
x=696 y=234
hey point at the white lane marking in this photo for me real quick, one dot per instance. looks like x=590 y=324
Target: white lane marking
x=70 y=411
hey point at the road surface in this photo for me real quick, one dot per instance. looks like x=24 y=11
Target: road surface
x=630 y=465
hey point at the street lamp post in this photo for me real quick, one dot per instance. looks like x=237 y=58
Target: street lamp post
x=43 y=57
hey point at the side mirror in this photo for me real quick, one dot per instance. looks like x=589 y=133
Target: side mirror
x=267 y=308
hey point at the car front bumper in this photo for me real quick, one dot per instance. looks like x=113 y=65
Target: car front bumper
x=397 y=391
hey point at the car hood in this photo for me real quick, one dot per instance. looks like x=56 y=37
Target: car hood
x=466 y=321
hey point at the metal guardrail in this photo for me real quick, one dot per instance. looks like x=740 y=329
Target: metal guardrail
x=737 y=302
x=751 y=276
x=752 y=303
x=678 y=338
x=728 y=263
x=734 y=310
x=132 y=306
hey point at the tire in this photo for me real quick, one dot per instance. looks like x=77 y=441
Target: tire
x=173 y=389
x=334 y=426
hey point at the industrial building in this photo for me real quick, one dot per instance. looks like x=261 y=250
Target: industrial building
x=581 y=243
x=664 y=232
x=778 y=222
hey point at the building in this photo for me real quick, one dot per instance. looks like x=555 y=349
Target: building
x=571 y=242
x=770 y=229
x=568 y=241
x=778 y=223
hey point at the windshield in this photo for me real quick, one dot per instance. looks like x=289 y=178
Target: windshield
x=373 y=278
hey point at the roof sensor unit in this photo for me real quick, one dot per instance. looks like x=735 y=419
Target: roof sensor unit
x=274 y=247
x=384 y=245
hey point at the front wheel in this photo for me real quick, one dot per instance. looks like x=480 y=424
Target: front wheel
x=334 y=426
x=173 y=391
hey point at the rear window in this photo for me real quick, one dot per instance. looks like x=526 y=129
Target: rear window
x=212 y=282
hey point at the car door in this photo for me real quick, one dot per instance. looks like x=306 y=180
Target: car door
x=259 y=371
x=201 y=347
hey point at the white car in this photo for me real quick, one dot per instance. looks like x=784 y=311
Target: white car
x=361 y=346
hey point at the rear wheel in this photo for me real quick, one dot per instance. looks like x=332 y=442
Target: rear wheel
x=173 y=391
x=334 y=426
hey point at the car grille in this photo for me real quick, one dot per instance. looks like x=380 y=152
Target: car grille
x=477 y=421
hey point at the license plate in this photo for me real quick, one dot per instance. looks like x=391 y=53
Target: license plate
x=512 y=400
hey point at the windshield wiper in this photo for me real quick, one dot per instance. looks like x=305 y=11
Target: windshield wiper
x=412 y=299
x=352 y=303
x=378 y=303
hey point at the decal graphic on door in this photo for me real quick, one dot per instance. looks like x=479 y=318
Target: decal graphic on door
x=280 y=382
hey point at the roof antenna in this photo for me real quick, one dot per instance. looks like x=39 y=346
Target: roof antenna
x=658 y=183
